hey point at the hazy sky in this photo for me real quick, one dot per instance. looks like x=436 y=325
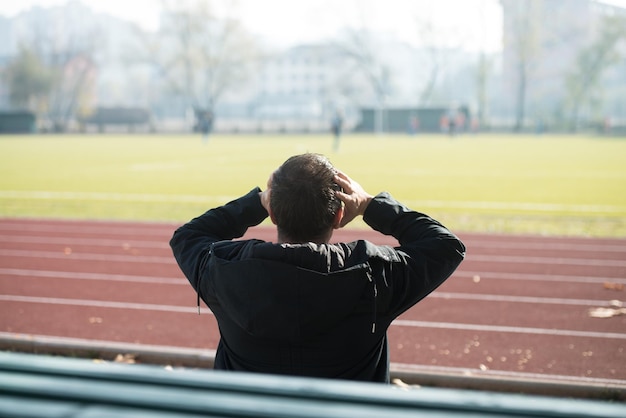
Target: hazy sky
x=473 y=24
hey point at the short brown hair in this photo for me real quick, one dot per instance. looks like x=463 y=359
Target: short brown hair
x=303 y=199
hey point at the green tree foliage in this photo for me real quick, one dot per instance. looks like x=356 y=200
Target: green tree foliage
x=29 y=81
x=50 y=83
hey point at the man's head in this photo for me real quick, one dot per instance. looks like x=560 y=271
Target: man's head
x=303 y=204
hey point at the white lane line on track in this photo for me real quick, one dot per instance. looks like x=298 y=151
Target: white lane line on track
x=517 y=299
x=91 y=228
x=74 y=256
x=101 y=242
x=100 y=304
x=93 y=276
x=546 y=260
x=184 y=282
x=547 y=244
x=165 y=231
x=157 y=259
x=555 y=278
x=398 y=322
x=456 y=276
x=163 y=243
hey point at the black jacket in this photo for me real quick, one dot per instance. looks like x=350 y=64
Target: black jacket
x=309 y=309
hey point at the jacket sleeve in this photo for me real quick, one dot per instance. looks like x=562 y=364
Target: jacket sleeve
x=191 y=243
x=428 y=253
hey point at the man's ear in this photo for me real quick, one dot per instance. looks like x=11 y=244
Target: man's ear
x=338 y=218
x=269 y=212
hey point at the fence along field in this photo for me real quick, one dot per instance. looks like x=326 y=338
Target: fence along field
x=538 y=184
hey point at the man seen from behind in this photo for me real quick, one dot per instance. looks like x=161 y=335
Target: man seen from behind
x=303 y=305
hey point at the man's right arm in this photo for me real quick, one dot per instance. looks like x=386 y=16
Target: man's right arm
x=191 y=242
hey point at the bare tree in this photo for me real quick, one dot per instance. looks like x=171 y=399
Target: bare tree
x=73 y=92
x=591 y=62
x=359 y=47
x=200 y=55
x=524 y=49
x=433 y=58
x=483 y=73
x=438 y=42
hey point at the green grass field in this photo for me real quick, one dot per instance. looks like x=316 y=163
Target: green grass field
x=558 y=185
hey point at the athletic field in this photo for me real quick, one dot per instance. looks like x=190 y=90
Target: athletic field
x=523 y=313
x=554 y=185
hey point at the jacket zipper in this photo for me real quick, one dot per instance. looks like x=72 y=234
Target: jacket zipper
x=375 y=294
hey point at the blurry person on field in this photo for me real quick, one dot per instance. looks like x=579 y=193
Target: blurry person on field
x=206 y=124
x=337 y=128
x=303 y=305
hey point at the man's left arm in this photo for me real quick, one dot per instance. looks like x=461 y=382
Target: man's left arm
x=428 y=253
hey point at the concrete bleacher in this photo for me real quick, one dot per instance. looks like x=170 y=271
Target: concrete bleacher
x=60 y=387
x=472 y=379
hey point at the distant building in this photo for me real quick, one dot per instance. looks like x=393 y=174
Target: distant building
x=312 y=81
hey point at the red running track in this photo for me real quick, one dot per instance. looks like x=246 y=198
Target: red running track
x=518 y=305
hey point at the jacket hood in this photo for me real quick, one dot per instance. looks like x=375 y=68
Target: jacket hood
x=289 y=291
